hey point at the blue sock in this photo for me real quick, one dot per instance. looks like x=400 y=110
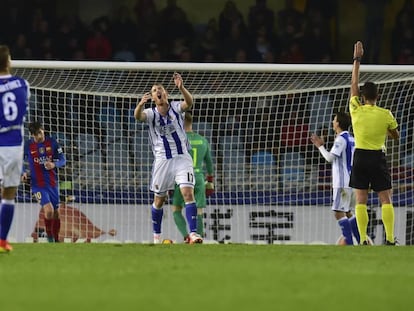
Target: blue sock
x=156 y=215
x=346 y=230
x=6 y=217
x=354 y=228
x=191 y=215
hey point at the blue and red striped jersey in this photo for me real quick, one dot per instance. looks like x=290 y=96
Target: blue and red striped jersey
x=37 y=154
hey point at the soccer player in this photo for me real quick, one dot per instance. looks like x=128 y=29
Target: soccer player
x=14 y=98
x=173 y=163
x=371 y=125
x=45 y=155
x=340 y=156
x=204 y=186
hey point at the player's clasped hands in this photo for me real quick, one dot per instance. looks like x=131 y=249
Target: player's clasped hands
x=316 y=140
x=49 y=165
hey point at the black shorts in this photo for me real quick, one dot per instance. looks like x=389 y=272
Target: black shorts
x=370 y=171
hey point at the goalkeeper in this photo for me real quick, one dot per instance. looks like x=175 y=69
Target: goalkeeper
x=201 y=154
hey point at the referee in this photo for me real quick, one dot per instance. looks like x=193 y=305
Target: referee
x=371 y=126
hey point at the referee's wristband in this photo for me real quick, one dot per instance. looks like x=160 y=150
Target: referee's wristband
x=357 y=59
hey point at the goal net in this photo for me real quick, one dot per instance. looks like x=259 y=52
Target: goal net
x=272 y=185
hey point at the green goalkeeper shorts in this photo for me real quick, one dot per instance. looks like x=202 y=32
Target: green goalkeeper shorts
x=199 y=193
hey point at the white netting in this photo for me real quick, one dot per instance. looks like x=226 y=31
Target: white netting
x=271 y=183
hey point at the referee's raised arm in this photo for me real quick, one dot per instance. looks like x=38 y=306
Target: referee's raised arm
x=358 y=53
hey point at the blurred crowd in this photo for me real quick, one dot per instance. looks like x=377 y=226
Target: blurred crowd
x=150 y=34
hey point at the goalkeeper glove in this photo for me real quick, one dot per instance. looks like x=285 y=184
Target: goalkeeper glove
x=209 y=186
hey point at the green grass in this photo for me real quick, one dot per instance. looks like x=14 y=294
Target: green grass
x=206 y=277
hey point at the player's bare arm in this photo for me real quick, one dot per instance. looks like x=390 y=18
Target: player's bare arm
x=358 y=53
x=394 y=134
x=139 y=109
x=319 y=143
x=188 y=98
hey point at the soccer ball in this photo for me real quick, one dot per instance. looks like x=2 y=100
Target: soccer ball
x=341 y=241
x=167 y=241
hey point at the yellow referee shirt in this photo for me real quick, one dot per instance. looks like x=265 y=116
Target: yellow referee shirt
x=370 y=124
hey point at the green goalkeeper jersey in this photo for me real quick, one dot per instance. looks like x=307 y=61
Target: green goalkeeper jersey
x=201 y=154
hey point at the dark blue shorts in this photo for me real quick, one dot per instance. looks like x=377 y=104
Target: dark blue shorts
x=47 y=195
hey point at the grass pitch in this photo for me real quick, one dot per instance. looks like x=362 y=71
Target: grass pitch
x=206 y=277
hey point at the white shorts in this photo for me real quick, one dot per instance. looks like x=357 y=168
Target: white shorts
x=343 y=199
x=168 y=172
x=11 y=165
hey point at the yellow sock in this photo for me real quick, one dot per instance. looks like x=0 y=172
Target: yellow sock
x=388 y=221
x=361 y=214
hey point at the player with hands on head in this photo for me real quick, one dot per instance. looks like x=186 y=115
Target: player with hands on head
x=14 y=101
x=371 y=126
x=204 y=186
x=44 y=156
x=172 y=161
x=340 y=156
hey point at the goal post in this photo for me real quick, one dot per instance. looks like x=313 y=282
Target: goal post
x=272 y=185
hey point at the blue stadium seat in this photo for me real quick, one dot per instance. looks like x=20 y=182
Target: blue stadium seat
x=203 y=128
x=109 y=115
x=263 y=171
x=62 y=139
x=263 y=157
x=292 y=169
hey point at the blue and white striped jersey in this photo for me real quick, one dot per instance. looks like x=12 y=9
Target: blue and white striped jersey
x=14 y=99
x=167 y=134
x=343 y=149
